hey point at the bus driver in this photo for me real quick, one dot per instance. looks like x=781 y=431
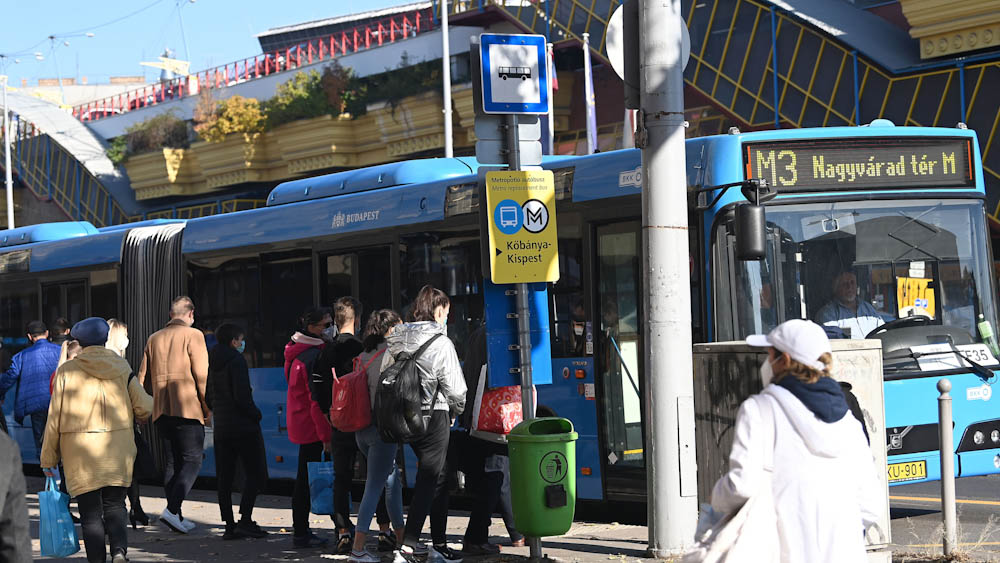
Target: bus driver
x=854 y=317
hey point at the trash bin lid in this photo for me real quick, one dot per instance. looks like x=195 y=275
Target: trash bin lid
x=547 y=429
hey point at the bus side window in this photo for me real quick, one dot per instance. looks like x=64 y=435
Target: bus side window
x=570 y=322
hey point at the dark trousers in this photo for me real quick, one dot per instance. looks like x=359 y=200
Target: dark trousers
x=430 y=492
x=345 y=452
x=248 y=449
x=38 y=420
x=491 y=490
x=183 y=447
x=103 y=511
x=300 y=494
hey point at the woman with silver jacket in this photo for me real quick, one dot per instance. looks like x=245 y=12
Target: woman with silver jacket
x=443 y=398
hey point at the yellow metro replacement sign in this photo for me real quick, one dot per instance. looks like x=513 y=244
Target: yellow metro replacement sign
x=521 y=207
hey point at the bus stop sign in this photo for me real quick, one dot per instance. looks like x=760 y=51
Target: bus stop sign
x=514 y=74
x=521 y=215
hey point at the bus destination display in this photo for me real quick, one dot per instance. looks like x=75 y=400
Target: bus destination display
x=839 y=164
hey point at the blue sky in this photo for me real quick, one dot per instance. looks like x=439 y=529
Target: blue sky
x=217 y=31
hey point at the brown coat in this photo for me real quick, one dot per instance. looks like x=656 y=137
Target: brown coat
x=90 y=421
x=174 y=370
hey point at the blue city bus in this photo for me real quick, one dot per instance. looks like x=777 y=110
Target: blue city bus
x=899 y=208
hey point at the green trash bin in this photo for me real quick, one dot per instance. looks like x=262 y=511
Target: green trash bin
x=543 y=476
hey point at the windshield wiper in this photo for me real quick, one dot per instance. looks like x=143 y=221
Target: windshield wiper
x=916 y=246
x=983 y=372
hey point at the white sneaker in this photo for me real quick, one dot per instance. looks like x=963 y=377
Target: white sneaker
x=173 y=521
x=188 y=525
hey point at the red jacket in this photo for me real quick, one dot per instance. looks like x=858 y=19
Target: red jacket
x=306 y=423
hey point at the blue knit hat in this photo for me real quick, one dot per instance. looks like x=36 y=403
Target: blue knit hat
x=90 y=332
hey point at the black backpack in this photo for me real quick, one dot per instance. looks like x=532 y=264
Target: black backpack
x=399 y=398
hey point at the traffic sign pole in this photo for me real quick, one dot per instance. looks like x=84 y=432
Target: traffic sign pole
x=519 y=207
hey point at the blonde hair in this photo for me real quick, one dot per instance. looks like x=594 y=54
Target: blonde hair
x=117 y=334
x=804 y=373
x=69 y=350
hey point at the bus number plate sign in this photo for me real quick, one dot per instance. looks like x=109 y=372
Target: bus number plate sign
x=861 y=164
x=908 y=471
x=936 y=357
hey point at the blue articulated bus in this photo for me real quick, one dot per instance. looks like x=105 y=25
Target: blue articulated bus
x=900 y=209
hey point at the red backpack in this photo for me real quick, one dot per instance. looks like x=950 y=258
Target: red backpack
x=351 y=409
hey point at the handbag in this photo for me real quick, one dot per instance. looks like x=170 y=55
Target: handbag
x=321 y=486
x=496 y=411
x=750 y=533
x=56 y=531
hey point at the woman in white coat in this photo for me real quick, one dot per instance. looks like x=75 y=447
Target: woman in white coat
x=823 y=482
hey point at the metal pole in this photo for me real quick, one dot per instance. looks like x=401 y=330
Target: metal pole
x=55 y=62
x=6 y=158
x=449 y=150
x=180 y=8
x=523 y=319
x=671 y=472
x=948 y=513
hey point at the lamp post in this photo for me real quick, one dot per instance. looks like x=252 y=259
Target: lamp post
x=449 y=150
x=6 y=156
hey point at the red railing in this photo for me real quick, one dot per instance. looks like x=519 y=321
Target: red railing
x=372 y=34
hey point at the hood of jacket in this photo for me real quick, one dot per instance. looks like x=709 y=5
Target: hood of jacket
x=300 y=343
x=408 y=337
x=102 y=363
x=819 y=436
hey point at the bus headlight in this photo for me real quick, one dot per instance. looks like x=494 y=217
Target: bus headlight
x=978 y=438
x=995 y=436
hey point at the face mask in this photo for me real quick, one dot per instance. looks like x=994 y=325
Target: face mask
x=124 y=344
x=766 y=373
x=329 y=333
x=242 y=347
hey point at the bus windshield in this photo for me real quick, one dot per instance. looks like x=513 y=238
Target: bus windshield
x=855 y=266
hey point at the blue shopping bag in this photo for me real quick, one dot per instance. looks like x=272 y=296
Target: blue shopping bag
x=321 y=487
x=56 y=529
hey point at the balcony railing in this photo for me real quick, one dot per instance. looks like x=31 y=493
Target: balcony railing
x=373 y=34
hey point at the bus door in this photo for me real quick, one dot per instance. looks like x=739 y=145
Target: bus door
x=363 y=274
x=66 y=299
x=618 y=269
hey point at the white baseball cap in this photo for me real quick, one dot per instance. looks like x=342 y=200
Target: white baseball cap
x=805 y=341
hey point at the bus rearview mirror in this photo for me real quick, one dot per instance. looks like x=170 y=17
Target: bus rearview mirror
x=750 y=232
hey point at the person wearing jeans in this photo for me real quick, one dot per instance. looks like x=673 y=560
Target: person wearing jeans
x=442 y=396
x=30 y=371
x=381 y=456
x=175 y=370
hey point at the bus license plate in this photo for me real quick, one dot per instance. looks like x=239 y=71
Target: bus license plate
x=909 y=471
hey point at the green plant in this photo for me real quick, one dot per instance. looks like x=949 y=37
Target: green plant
x=405 y=80
x=344 y=91
x=233 y=115
x=162 y=131
x=301 y=97
x=118 y=151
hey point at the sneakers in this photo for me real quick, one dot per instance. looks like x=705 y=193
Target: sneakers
x=119 y=557
x=310 y=541
x=364 y=557
x=249 y=529
x=386 y=542
x=517 y=543
x=480 y=549
x=344 y=544
x=441 y=553
x=188 y=525
x=405 y=554
x=174 y=522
